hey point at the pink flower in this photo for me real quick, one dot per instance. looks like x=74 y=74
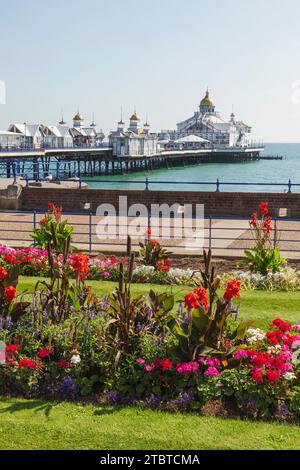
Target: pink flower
x=240 y=354
x=285 y=356
x=212 y=372
x=149 y=368
x=296 y=327
x=212 y=362
x=140 y=361
x=105 y=274
x=186 y=367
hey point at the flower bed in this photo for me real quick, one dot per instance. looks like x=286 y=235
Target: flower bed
x=65 y=343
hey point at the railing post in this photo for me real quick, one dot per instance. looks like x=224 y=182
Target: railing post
x=290 y=186
x=275 y=232
x=209 y=232
x=90 y=232
x=27 y=181
x=80 y=182
x=14 y=172
x=147 y=185
x=34 y=219
x=218 y=186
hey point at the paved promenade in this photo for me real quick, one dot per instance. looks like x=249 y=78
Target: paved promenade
x=226 y=237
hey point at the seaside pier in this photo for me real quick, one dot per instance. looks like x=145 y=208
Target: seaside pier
x=72 y=162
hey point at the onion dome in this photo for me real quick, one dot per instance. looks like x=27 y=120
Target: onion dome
x=207 y=101
x=77 y=117
x=135 y=117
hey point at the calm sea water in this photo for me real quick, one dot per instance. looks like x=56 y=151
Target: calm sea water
x=263 y=171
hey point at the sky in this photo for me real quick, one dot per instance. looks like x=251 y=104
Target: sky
x=158 y=56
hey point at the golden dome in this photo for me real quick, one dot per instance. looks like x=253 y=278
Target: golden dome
x=207 y=101
x=77 y=117
x=135 y=117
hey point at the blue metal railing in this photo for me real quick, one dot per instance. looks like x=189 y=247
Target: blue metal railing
x=147 y=183
x=224 y=239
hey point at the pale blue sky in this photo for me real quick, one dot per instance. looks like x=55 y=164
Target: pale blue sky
x=159 y=55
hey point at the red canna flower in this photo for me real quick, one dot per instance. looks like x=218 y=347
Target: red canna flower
x=202 y=297
x=191 y=300
x=81 y=266
x=232 y=290
x=263 y=208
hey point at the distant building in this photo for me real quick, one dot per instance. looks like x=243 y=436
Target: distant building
x=135 y=140
x=207 y=124
x=10 y=140
x=189 y=142
x=59 y=136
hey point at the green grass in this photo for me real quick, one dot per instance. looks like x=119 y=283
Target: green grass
x=34 y=424
x=259 y=306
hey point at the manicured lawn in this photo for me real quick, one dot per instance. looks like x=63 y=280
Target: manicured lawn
x=259 y=306
x=34 y=424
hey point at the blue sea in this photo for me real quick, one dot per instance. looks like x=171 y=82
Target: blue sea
x=262 y=171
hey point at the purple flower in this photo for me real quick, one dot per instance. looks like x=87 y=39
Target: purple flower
x=68 y=389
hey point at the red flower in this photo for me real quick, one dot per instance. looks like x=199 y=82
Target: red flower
x=27 y=363
x=272 y=376
x=263 y=208
x=3 y=273
x=253 y=221
x=154 y=243
x=43 y=221
x=43 y=353
x=273 y=337
x=202 y=297
x=256 y=375
x=11 y=259
x=267 y=225
x=281 y=325
x=232 y=290
x=51 y=206
x=12 y=349
x=64 y=365
x=9 y=293
x=191 y=300
x=161 y=266
x=163 y=364
x=259 y=360
x=148 y=232
x=81 y=265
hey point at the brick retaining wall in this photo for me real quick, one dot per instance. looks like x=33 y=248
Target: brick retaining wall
x=216 y=204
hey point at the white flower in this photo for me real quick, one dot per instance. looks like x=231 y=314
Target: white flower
x=289 y=376
x=274 y=349
x=75 y=359
x=255 y=335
